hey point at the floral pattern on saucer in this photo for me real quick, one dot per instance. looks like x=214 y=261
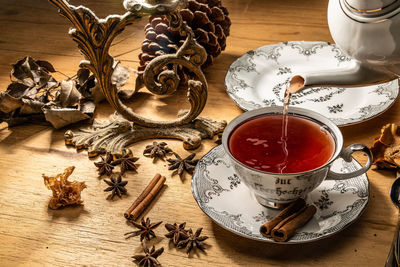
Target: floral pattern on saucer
x=220 y=194
x=258 y=79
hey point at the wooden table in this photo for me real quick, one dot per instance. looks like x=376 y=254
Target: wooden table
x=31 y=234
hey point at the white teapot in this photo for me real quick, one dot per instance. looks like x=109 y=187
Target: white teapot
x=369 y=32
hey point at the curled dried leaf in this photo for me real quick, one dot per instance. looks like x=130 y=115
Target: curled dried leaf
x=9 y=103
x=33 y=73
x=86 y=84
x=69 y=95
x=60 y=117
x=120 y=75
x=386 y=148
x=65 y=193
x=30 y=106
x=46 y=65
x=16 y=89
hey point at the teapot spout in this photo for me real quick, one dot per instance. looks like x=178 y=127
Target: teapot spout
x=354 y=75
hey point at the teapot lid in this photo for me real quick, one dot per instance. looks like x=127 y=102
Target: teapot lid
x=372 y=6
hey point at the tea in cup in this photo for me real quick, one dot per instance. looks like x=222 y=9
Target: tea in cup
x=282 y=164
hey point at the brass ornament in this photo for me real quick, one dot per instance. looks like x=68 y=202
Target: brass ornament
x=113 y=135
x=94 y=37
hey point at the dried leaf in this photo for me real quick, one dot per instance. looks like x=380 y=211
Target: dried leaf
x=22 y=70
x=46 y=95
x=120 y=75
x=37 y=95
x=97 y=94
x=46 y=65
x=41 y=78
x=16 y=89
x=82 y=76
x=30 y=106
x=386 y=148
x=88 y=108
x=85 y=82
x=30 y=92
x=9 y=103
x=60 y=117
x=30 y=73
x=69 y=95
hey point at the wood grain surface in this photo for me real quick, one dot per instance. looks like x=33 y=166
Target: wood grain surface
x=93 y=234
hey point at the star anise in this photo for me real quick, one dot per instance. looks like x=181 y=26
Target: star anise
x=117 y=186
x=176 y=232
x=145 y=229
x=157 y=150
x=104 y=166
x=193 y=240
x=127 y=163
x=150 y=257
x=186 y=164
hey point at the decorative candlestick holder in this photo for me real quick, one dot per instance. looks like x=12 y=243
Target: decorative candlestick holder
x=95 y=36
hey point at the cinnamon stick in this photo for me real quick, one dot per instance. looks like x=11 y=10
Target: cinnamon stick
x=287 y=228
x=148 y=198
x=142 y=196
x=289 y=210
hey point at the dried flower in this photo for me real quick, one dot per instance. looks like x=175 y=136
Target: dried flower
x=145 y=229
x=150 y=257
x=64 y=192
x=157 y=150
x=181 y=165
x=193 y=240
x=117 y=186
x=176 y=232
x=104 y=166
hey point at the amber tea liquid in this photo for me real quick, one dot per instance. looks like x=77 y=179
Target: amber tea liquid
x=257 y=143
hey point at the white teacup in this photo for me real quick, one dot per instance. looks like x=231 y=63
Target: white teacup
x=271 y=189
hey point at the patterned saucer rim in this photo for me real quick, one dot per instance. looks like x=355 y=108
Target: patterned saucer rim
x=270 y=240
x=239 y=101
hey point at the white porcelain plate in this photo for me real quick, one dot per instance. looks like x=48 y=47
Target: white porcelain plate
x=227 y=201
x=258 y=79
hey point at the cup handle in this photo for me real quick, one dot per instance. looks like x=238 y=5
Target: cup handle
x=346 y=155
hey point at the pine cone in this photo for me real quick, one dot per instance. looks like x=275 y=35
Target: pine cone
x=209 y=21
x=160 y=40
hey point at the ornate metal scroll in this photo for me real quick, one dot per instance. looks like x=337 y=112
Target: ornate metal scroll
x=118 y=133
x=94 y=37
